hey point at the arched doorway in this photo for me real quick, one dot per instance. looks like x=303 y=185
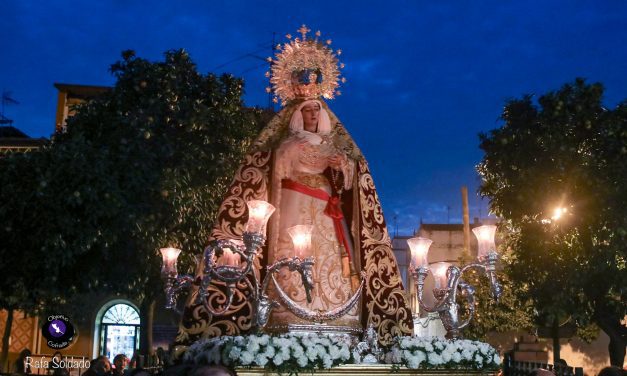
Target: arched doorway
x=119 y=330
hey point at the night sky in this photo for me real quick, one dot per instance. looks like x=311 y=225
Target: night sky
x=424 y=77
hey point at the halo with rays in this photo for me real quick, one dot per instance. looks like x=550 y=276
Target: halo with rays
x=303 y=55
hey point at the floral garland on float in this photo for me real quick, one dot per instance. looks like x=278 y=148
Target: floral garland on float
x=296 y=353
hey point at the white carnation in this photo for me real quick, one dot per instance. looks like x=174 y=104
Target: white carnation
x=302 y=361
x=407 y=354
x=278 y=360
x=264 y=339
x=485 y=348
x=412 y=362
x=467 y=355
x=246 y=358
x=327 y=362
x=298 y=350
x=334 y=352
x=446 y=356
x=285 y=352
x=253 y=346
x=261 y=360
x=235 y=352
x=478 y=359
x=238 y=340
x=312 y=353
x=345 y=353
x=435 y=359
x=269 y=352
x=406 y=342
x=307 y=342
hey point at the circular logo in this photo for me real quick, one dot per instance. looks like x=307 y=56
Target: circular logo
x=58 y=331
x=57 y=328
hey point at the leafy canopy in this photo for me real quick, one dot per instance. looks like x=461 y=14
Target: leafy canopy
x=565 y=151
x=141 y=167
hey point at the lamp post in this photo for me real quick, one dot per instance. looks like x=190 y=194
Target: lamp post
x=448 y=279
x=238 y=268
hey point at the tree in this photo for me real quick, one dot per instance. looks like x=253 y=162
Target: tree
x=491 y=315
x=555 y=172
x=26 y=277
x=139 y=168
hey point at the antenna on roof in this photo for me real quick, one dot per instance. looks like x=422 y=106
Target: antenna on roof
x=480 y=206
x=255 y=55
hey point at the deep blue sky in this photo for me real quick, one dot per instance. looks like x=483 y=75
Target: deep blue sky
x=424 y=77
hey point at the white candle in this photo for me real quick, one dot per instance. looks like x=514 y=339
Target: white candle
x=301 y=238
x=438 y=270
x=230 y=258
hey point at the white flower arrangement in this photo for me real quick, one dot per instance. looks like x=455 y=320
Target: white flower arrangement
x=433 y=352
x=306 y=352
x=286 y=352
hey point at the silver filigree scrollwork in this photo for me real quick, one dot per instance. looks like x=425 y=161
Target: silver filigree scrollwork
x=447 y=285
x=232 y=275
x=319 y=317
x=173 y=285
x=236 y=270
x=445 y=304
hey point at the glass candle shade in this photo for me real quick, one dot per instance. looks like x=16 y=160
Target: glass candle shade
x=301 y=238
x=419 y=250
x=485 y=240
x=169 y=256
x=258 y=214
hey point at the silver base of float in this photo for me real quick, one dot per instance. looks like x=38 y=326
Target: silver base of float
x=315 y=329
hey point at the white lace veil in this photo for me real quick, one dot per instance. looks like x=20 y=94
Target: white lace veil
x=324 y=123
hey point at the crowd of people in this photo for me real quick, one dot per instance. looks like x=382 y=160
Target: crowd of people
x=162 y=366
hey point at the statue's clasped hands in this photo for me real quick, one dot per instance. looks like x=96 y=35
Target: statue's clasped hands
x=336 y=161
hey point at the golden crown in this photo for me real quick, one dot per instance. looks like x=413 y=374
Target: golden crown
x=305 y=68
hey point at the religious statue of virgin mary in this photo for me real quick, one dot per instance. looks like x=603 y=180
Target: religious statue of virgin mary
x=305 y=163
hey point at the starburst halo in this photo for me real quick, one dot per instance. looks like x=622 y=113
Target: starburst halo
x=309 y=59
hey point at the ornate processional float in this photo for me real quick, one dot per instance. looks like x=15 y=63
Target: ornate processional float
x=300 y=273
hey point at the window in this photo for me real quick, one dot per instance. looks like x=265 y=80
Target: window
x=119 y=331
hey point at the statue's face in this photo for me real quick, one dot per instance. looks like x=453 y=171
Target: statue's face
x=311 y=114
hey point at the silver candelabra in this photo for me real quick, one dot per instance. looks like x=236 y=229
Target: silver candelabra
x=448 y=279
x=239 y=258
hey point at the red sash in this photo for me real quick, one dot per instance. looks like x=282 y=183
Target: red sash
x=332 y=209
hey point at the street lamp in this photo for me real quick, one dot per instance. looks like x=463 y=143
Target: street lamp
x=448 y=279
x=558 y=213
